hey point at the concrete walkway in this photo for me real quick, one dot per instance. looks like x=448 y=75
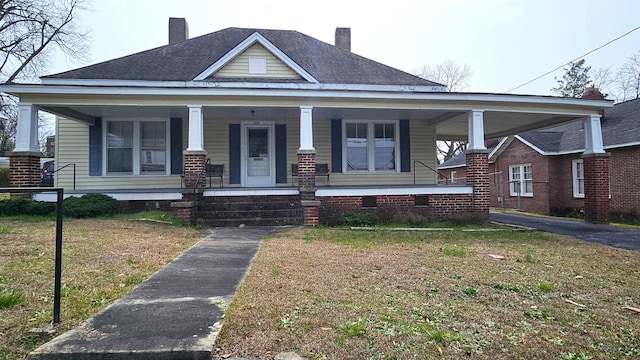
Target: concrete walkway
x=614 y=236
x=175 y=314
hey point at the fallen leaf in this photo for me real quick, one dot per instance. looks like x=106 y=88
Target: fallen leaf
x=499 y=257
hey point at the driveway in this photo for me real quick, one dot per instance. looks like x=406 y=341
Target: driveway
x=603 y=234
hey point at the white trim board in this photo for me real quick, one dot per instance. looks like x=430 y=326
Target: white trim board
x=120 y=196
x=250 y=192
x=409 y=190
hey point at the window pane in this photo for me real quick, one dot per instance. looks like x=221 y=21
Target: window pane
x=120 y=147
x=119 y=134
x=153 y=134
x=152 y=147
x=119 y=160
x=357 y=147
x=384 y=146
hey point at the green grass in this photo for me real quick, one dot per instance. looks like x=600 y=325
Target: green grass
x=152 y=215
x=453 y=251
x=9 y=297
x=544 y=286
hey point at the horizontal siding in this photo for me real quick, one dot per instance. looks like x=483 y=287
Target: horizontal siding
x=239 y=66
x=422 y=149
x=72 y=147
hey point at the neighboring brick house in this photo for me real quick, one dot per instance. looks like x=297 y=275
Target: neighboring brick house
x=542 y=171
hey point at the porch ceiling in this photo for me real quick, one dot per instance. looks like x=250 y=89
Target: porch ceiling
x=450 y=124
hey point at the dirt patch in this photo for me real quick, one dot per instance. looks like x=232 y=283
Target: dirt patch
x=333 y=294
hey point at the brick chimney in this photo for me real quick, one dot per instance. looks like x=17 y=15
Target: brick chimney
x=178 y=30
x=593 y=93
x=343 y=38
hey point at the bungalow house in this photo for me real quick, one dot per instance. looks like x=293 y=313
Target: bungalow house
x=291 y=130
x=542 y=171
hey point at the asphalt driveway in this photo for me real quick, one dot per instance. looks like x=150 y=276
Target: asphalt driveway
x=603 y=234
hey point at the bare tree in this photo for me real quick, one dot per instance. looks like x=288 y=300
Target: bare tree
x=628 y=78
x=29 y=31
x=456 y=77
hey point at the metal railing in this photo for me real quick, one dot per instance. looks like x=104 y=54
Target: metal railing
x=74 y=173
x=426 y=166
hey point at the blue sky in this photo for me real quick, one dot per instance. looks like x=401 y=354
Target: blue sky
x=506 y=42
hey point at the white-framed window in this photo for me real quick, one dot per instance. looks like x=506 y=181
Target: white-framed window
x=454 y=177
x=136 y=147
x=370 y=146
x=258 y=65
x=520 y=180
x=577 y=167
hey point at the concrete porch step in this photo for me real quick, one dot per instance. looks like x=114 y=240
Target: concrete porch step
x=253 y=221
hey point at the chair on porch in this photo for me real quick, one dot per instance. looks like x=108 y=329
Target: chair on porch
x=214 y=170
x=321 y=170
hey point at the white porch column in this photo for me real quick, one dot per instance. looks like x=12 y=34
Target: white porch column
x=593 y=135
x=476 y=130
x=306 y=128
x=27 y=129
x=196 y=128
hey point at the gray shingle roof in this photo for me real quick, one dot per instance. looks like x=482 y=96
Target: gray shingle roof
x=184 y=60
x=621 y=125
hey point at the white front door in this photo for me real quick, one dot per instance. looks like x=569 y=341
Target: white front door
x=258 y=155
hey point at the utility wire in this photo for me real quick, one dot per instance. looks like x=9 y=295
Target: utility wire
x=576 y=59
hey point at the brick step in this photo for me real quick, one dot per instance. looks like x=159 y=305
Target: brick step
x=247 y=214
x=252 y=222
x=257 y=205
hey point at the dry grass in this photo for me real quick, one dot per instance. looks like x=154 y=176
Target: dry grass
x=102 y=260
x=338 y=294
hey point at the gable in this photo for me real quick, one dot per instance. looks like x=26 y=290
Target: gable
x=239 y=67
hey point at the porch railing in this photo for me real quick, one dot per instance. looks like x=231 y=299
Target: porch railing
x=415 y=162
x=74 y=173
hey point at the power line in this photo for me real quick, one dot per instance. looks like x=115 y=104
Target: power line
x=576 y=59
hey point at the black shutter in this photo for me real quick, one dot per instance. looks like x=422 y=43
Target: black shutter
x=234 y=153
x=281 y=154
x=405 y=146
x=336 y=145
x=95 y=148
x=175 y=128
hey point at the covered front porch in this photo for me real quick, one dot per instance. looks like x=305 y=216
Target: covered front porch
x=333 y=151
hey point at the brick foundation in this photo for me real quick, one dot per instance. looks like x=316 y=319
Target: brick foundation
x=478 y=176
x=399 y=208
x=24 y=169
x=596 y=188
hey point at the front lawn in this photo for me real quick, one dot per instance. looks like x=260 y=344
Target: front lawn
x=341 y=294
x=102 y=260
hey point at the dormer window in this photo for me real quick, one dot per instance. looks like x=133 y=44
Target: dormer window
x=257 y=65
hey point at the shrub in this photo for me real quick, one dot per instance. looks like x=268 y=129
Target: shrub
x=4 y=177
x=90 y=205
x=358 y=219
x=17 y=206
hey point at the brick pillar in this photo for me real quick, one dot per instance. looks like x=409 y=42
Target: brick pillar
x=194 y=184
x=596 y=188
x=307 y=187
x=194 y=172
x=24 y=169
x=478 y=176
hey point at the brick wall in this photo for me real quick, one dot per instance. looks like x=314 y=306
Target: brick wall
x=517 y=153
x=397 y=207
x=24 y=170
x=625 y=182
